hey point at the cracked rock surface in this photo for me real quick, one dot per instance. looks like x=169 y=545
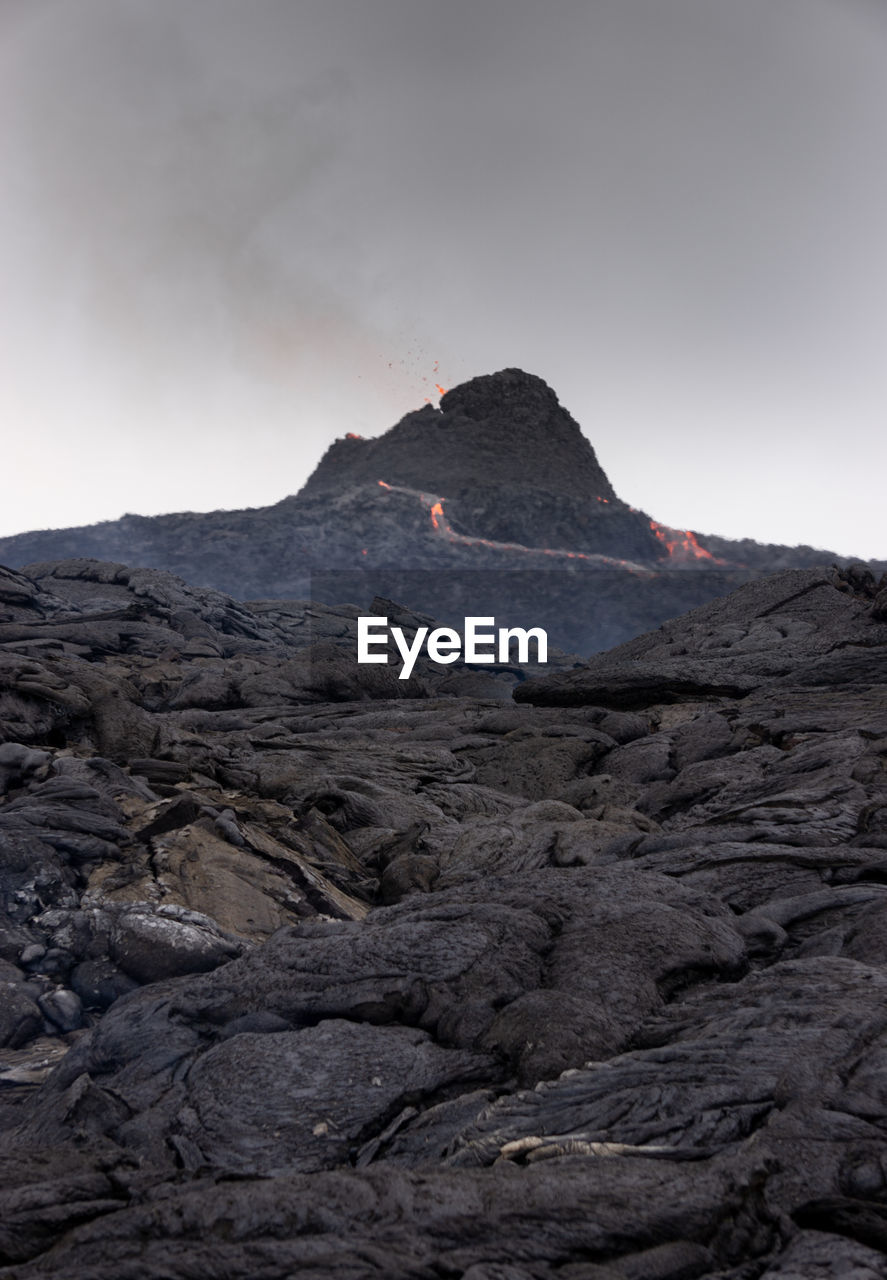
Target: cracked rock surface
x=499 y=975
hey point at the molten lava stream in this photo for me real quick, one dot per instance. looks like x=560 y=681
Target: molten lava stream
x=442 y=526
x=681 y=545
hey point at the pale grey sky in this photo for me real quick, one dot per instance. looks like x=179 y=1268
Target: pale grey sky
x=232 y=230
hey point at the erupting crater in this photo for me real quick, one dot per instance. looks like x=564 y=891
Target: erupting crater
x=515 y=472
x=497 y=477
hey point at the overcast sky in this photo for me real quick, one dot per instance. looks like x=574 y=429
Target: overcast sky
x=232 y=230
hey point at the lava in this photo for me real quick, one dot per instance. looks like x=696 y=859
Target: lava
x=681 y=544
x=442 y=526
x=441 y=391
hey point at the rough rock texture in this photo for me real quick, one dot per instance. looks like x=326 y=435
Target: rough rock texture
x=499 y=478
x=302 y=977
x=511 y=463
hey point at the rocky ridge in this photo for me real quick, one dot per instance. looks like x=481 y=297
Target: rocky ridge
x=498 y=479
x=309 y=970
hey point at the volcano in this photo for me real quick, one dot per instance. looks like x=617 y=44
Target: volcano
x=499 y=479
x=511 y=464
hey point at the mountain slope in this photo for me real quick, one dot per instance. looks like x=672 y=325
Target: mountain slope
x=500 y=478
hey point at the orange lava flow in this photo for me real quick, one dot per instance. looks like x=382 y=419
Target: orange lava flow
x=442 y=526
x=681 y=544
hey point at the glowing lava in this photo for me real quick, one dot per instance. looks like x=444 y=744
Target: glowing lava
x=681 y=544
x=442 y=526
x=441 y=391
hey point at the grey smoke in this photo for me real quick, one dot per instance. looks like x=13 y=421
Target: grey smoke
x=234 y=231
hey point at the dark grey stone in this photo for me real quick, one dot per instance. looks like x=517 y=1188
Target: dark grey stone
x=415 y=986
